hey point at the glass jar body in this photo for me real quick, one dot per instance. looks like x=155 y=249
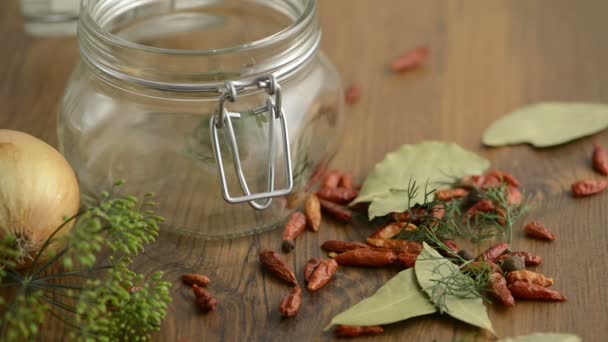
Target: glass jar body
x=159 y=141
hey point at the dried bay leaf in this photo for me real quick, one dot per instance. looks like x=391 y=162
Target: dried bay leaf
x=431 y=268
x=399 y=299
x=543 y=337
x=547 y=124
x=439 y=163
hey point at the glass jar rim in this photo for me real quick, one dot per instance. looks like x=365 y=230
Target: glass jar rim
x=288 y=32
x=280 y=54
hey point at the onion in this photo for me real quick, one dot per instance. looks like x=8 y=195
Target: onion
x=38 y=191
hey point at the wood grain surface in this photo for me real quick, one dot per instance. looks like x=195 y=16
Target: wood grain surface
x=487 y=58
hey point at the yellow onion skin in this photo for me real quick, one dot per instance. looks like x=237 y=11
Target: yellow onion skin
x=38 y=190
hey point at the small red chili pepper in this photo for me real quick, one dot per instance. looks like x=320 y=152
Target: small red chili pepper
x=600 y=159
x=295 y=226
x=396 y=245
x=493 y=253
x=530 y=291
x=322 y=274
x=346 y=181
x=483 y=206
x=472 y=182
x=495 y=179
x=352 y=94
x=310 y=267
x=500 y=291
x=342 y=246
x=389 y=231
x=290 y=306
x=406 y=260
x=337 y=211
x=586 y=188
x=451 y=245
x=410 y=60
x=537 y=230
x=367 y=257
x=450 y=194
x=514 y=197
x=331 y=179
x=353 y=331
x=338 y=195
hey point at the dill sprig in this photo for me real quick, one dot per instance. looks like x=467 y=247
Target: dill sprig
x=85 y=282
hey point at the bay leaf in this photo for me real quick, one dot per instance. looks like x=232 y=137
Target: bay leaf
x=547 y=124
x=432 y=267
x=437 y=163
x=399 y=299
x=543 y=337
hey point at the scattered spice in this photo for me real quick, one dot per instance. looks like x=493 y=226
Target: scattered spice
x=342 y=246
x=389 y=231
x=352 y=94
x=295 y=226
x=499 y=290
x=337 y=211
x=338 y=195
x=396 y=245
x=586 y=188
x=529 y=291
x=530 y=259
x=513 y=263
x=600 y=159
x=367 y=257
x=290 y=306
x=406 y=260
x=312 y=211
x=204 y=301
x=310 y=267
x=537 y=230
x=450 y=194
x=331 y=179
x=195 y=279
x=529 y=277
x=410 y=60
x=352 y=331
x=271 y=261
x=322 y=274
x=493 y=253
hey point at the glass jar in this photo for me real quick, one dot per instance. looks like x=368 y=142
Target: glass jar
x=225 y=109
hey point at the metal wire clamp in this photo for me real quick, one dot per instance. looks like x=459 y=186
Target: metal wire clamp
x=223 y=120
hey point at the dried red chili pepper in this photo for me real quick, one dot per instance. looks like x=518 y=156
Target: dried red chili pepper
x=338 y=195
x=499 y=290
x=438 y=212
x=450 y=194
x=331 y=179
x=367 y=257
x=310 y=267
x=271 y=261
x=342 y=246
x=537 y=230
x=406 y=259
x=472 y=182
x=336 y=211
x=529 y=277
x=493 y=253
x=586 y=188
x=600 y=159
x=483 y=206
x=322 y=274
x=353 y=331
x=346 y=181
x=290 y=306
x=530 y=259
x=312 y=211
x=396 y=245
x=195 y=279
x=352 y=94
x=389 y=231
x=451 y=245
x=410 y=60
x=204 y=301
x=413 y=215
x=295 y=226
x=514 y=197
x=495 y=179
x=524 y=290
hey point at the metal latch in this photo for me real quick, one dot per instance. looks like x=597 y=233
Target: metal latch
x=223 y=120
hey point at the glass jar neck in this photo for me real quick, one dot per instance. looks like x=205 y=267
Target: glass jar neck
x=126 y=58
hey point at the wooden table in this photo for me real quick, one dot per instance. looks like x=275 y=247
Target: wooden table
x=487 y=58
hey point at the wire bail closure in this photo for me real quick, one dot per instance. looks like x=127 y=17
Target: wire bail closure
x=223 y=120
